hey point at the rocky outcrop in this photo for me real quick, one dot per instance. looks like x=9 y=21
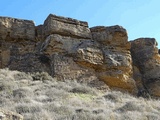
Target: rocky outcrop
x=89 y=54
x=147 y=60
x=68 y=49
x=61 y=44
x=113 y=35
x=66 y=27
x=55 y=43
x=117 y=63
x=105 y=57
x=8 y=115
x=17 y=38
x=16 y=29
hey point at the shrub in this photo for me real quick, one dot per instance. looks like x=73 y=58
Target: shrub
x=41 y=76
x=83 y=89
x=27 y=108
x=130 y=106
x=7 y=85
x=22 y=92
x=22 y=76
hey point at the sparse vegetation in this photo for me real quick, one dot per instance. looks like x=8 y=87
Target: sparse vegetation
x=41 y=97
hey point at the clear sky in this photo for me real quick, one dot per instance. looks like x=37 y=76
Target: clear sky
x=141 y=18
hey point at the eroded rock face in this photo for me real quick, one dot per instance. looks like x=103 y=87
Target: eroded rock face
x=64 y=48
x=16 y=29
x=146 y=58
x=17 y=37
x=66 y=27
x=106 y=58
x=113 y=35
x=68 y=50
x=60 y=44
x=18 y=46
x=89 y=54
x=117 y=63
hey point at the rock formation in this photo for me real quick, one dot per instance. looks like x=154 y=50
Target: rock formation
x=68 y=49
x=116 y=70
x=146 y=60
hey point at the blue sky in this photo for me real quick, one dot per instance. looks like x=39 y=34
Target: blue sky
x=141 y=18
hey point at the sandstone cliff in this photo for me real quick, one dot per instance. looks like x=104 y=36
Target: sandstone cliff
x=68 y=49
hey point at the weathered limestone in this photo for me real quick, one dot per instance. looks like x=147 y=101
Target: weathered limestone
x=113 y=35
x=13 y=50
x=66 y=27
x=60 y=44
x=66 y=69
x=67 y=49
x=146 y=58
x=16 y=29
x=117 y=59
x=111 y=61
x=8 y=115
x=17 y=38
x=88 y=54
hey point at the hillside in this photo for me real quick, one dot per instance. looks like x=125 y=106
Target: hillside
x=63 y=69
x=38 y=96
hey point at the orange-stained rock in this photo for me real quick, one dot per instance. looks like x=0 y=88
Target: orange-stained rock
x=67 y=49
x=67 y=62
x=89 y=54
x=147 y=59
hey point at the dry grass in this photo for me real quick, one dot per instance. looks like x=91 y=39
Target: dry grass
x=40 y=97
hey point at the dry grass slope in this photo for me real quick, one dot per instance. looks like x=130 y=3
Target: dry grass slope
x=41 y=97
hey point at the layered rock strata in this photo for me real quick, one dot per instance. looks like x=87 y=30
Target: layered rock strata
x=147 y=61
x=69 y=50
x=117 y=62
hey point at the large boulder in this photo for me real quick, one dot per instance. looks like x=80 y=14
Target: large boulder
x=16 y=29
x=89 y=54
x=147 y=59
x=117 y=62
x=60 y=44
x=66 y=27
x=64 y=54
x=113 y=35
